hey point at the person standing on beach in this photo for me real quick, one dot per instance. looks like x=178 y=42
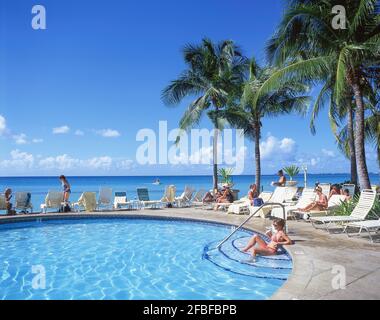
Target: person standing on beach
x=66 y=188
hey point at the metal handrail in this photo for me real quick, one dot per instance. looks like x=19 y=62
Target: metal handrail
x=250 y=217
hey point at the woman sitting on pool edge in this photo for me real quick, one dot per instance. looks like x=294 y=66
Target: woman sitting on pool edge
x=278 y=238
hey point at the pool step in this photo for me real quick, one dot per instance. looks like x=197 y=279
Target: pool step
x=230 y=258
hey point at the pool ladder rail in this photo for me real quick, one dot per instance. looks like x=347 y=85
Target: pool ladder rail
x=250 y=217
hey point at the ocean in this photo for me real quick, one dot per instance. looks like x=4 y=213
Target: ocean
x=39 y=186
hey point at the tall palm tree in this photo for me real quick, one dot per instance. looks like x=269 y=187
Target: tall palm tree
x=214 y=70
x=343 y=53
x=247 y=115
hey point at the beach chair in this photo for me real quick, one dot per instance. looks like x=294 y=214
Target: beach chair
x=326 y=187
x=3 y=202
x=350 y=187
x=367 y=225
x=87 y=201
x=105 y=198
x=308 y=195
x=22 y=202
x=53 y=200
x=184 y=199
x=198 y=198
x=360 y=212
x=121 y=201
x=143 y=196
x=335 y=201
x=169 y=195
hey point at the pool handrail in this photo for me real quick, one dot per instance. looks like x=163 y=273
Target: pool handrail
x=250 y=217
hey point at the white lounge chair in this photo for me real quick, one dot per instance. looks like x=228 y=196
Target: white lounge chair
x=87 y=201
x=53 y=200
x=360 y=212
x=105 y=198
x=184 y=199
x=198 y=198
x=243 y=205
x=3 y=203
x=350 y=187
x=367 y=225
x=121 y=201
x=326 y=187
x=169 y=195
x=23 y=202
x=308 y=195
x=143 y=196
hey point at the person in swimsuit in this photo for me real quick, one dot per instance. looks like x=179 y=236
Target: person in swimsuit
x=319 y=205
x=334 y=191
x=8 y=203
x=346 y=193
x=252 y=193
x=281 y=180
x=66 y=188
x=278 y=238
x=226 y=197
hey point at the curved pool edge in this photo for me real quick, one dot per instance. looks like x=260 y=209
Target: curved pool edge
x=290 y=290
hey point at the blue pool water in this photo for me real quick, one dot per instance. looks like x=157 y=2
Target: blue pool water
x=132 y=259
x=39 y=186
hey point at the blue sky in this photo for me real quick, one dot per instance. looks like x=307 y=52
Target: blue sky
x=73 y=96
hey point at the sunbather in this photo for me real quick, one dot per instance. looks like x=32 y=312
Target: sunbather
x=346 y=192
x=66 y=188
x=334 y=191
x=226 y=197
x=278 y=238
x=8 y=204
x=318 y=205
x=252 y=193
x=281 y=180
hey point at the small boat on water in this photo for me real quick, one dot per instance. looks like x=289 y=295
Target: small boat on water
x=157 y=182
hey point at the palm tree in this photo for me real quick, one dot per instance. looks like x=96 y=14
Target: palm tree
x=247 y=115
x=306 y=31
x=213 y=73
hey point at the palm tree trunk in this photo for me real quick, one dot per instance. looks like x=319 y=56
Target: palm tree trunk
x=215 y=159
x=351 y=143
x=257 y=156
x=359 y=136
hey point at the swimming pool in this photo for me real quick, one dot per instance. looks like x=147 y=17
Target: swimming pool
x=131 y=258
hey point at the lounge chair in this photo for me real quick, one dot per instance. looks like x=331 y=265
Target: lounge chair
x=53 y=200
x=243 y=205
x=169 y=195
x=367 y=225
x=360 y=212
x=3 y=203
x=326 y=187
x=184 y=199
x=307 y=196
x=121 y=201
x=105 y=198
x=22 y=202
x=87 y=201
x=350 y=187
x=335 y=201
x=143 y=196
x=198 y=198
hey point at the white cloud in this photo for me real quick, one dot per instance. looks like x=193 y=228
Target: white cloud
x=38 y=140
x=61 y=162
x=273 y=147
x=61 y=130
x=108 y=133
x=18 y=160
x=20 y=138
x=79 y=133
x=3 y=124
x=328 y=153
x=125 y=164
x=99 y=163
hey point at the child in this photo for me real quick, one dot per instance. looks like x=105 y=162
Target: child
x=259 y=246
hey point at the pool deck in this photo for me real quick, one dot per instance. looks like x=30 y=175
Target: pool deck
x=321 y=260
